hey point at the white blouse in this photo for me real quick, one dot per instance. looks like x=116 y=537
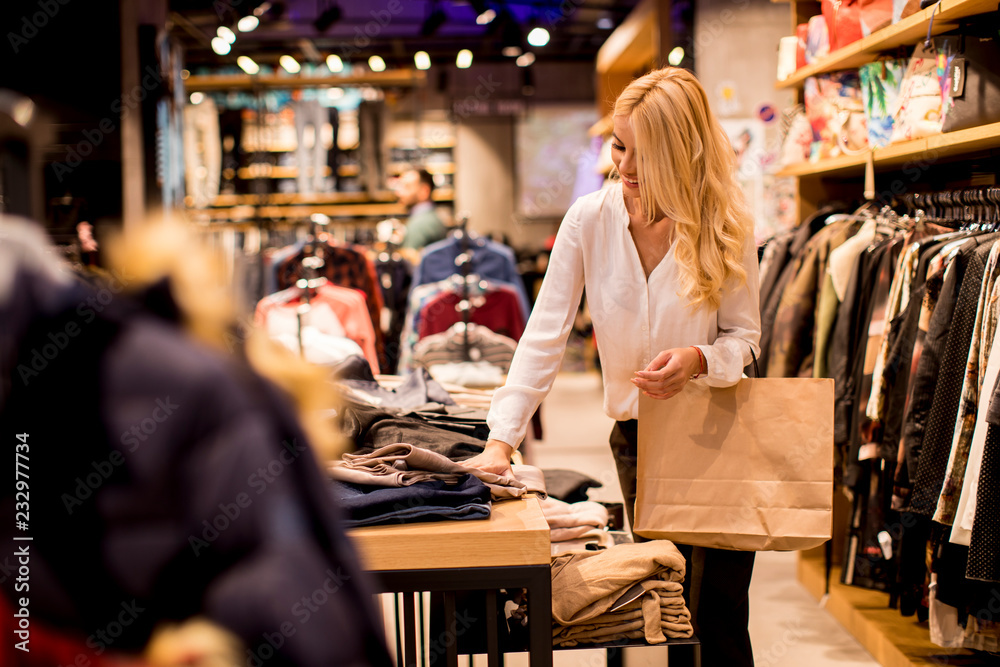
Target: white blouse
x=634 y=319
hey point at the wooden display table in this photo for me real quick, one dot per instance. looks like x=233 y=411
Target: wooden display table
x=509 y=550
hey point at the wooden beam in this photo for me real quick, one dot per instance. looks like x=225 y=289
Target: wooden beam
x=396 y=78
x=633 y=46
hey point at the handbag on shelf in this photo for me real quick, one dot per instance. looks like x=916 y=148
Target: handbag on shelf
x=836 y=113
x=817 y=39
x=875 y=15
x=972 y=82
x=919 y=108
x=843 y=21
x=796 y=136
x=747 y=467
x=801 y=38
x=880 y=83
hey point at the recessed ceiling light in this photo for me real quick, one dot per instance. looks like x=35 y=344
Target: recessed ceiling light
x=248 y=23
x=538 y=36
x=512 y=51
x=376 y=64
x=290 y=64
x=335 y=63
x=422 y=60
x=247 y=64
x=226 y=34
x=486 y=17
x=525 y=59
x=220 y=46
x=464 y=59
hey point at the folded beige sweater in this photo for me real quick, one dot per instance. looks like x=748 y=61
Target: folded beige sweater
x=658 y=615
x=585 y=584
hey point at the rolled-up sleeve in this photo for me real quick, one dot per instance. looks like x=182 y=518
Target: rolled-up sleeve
x=739 y=327
x=540 y=350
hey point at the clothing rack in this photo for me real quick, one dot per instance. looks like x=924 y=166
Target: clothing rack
x=311 y=264
x=972 y=209
x=464 y=261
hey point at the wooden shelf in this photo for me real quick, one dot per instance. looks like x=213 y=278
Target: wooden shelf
x=432 y=168
x=273 y=172
x=907 y=32
x=297 y=212
x=387 y=79
x=335 y=199
x=893 y=640
x=425 y=143
x=927 y=150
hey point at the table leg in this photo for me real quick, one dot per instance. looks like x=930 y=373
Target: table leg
x=540 y=616
x=420 y=630
x=396 y=597
x=451 y=637
x=410 y=624
x=492 y=641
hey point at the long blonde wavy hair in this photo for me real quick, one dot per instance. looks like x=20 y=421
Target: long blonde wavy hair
x=687 y=172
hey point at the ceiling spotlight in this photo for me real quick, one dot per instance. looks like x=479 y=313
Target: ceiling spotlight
x=464 y=59
x=290 y=64
x=525 y=59
x=248 y=23
x=486 y=17
x=220 y=46
x=422 y=60
x=197 y=98
x=327 y=18
x=376 y=64
x=512 y=51
x=676 y=56
x=335 y=63
x=605 y=23
x=538 y=36
x=434 y=20
x=262 y=9
x=247 y=64
x=226 y=34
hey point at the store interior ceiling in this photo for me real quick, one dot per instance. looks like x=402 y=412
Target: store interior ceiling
x=311 y=30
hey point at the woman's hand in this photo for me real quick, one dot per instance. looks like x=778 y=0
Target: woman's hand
x=667 y=374
x=495 y=458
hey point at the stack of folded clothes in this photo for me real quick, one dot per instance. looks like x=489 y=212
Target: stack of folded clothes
x=575 y=521
x=433 y=500
x=402 y=483
x=625 y=592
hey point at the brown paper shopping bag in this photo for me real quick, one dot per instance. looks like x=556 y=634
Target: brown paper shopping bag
x=748 y=467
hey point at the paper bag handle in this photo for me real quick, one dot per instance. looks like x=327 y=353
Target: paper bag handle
x=756 y=368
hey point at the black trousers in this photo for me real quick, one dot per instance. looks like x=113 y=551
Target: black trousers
x=717 y=583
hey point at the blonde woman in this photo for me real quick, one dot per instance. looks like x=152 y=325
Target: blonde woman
x=668 y=261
